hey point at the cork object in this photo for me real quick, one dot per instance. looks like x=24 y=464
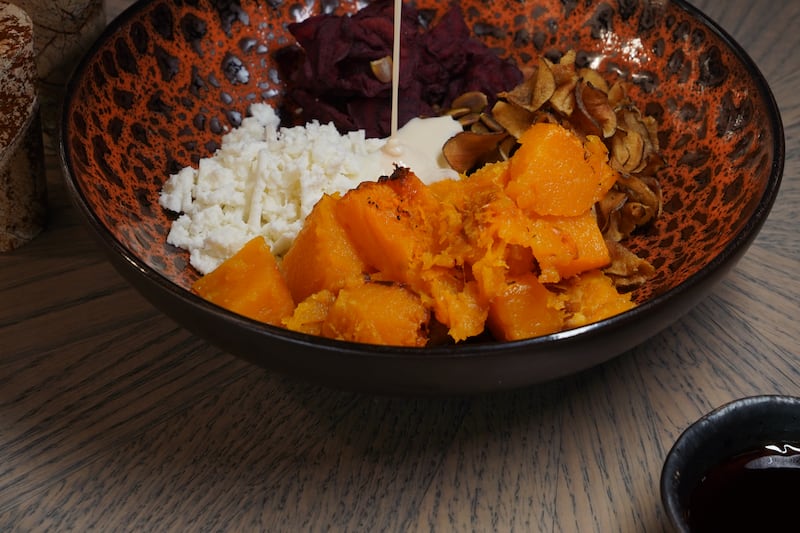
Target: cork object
x=22 y=176
x=63 y=31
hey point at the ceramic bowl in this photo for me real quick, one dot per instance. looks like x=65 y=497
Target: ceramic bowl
x=736 y=428
x=161 y=86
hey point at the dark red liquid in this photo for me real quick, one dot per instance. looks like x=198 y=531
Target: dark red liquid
x=753 y=492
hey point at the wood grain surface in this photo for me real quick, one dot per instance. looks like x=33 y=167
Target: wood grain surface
x=112 y=418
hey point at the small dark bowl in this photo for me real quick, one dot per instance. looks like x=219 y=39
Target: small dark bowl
x=735 y=428
x=165 y=80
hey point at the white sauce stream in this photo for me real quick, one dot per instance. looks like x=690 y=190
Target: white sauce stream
x=398 y=11
x=418 y=144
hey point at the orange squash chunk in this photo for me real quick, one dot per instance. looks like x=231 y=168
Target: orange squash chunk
x=249 y=283
x=389 y=223
x=519 y=259
x=592 y=296
x=524 y=309
x=492 y=176
x=490 y=222
x=310 y=314
x=566 y=246
x=456 y=303
x=378 y=313
x=322 y=256
x=496 y=174
x=554 y=173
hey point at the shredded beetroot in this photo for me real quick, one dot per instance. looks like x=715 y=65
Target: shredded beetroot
x=329 y=77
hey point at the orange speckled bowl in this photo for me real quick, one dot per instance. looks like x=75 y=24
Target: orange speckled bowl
x=167 y=78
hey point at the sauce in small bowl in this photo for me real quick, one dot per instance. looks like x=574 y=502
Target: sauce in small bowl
x=737 y=468
x=753 y=491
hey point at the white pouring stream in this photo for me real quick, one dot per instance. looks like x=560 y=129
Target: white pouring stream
x=398 y=11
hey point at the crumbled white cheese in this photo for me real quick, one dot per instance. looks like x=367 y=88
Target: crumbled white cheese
x=263 y=180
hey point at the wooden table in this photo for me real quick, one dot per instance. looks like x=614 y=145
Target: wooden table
x=114 y=418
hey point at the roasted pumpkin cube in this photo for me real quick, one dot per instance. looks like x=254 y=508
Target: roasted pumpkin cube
x=525 y=309
x=566 y=246
x=555 y=173
x=383 y=241
x=310 y=314
x=389 y=223
x=592 y=296
x=378 y=313
x=457 y=304
x=322 y=256
x=249 y=283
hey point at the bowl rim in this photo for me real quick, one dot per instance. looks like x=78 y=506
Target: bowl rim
x=738 y=244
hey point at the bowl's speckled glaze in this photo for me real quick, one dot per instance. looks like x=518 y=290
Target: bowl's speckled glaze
x=167 y=79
